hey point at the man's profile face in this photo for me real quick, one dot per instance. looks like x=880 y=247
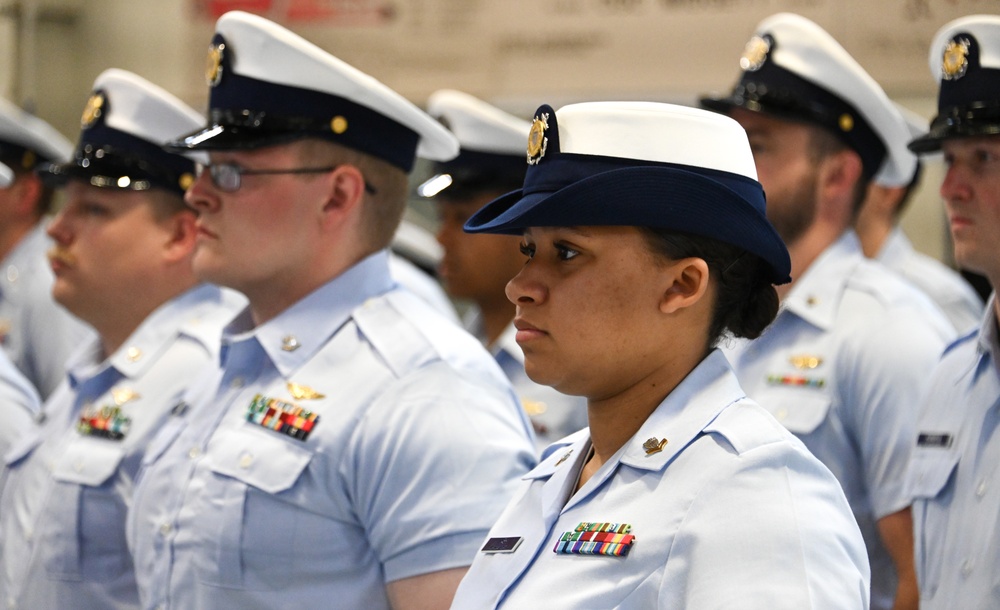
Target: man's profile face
x=785 y=168
x=971 y=193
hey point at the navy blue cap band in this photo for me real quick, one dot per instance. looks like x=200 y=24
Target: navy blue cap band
x=282 y=113
x=104 y=155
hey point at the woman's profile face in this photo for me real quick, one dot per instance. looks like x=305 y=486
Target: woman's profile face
x=588 y=309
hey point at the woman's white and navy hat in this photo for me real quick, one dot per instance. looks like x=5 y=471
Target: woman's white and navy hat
x=642 y=164
x=125 y=124
x=269 y=86
x=965 y=60
x=793 y=69
x=26 y=140
x=491 y=141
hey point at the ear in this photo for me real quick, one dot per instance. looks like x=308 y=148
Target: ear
x=182 y=233
x=838 y=174
x=687 y=284
x=346 y=192
x=27 y=188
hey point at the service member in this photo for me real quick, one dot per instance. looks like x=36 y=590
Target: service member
x=476 y=268
x=647 y=241
x=953 y=475
x=849 y=354
x=19 y=405
x=882 y=239
x=124 y=241
x=36 y=333
x=356 y=446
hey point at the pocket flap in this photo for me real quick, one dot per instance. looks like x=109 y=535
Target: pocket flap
x=929 y=472
x=265 y=461
x=88 y=461
x=799 y=410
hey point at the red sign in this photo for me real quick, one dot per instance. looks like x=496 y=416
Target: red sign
x=346 y=12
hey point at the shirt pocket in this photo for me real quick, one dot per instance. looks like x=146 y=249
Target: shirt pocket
x=83 y=535
x=257 y=521
x=800 y=410
x=930 y=483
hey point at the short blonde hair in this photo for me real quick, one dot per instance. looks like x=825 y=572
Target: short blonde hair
x=381 y=211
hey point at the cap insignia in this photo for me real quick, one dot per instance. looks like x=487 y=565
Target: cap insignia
x=213 y=65
x=92 y=111
x=755 y=53
x=29 y=159
x=845 y=122
x=186 y=180
x=955 y=60
x=338 y=125
x=537 y=142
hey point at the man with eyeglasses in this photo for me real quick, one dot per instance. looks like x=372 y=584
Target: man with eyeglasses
x=355 y=446
x=124 y=241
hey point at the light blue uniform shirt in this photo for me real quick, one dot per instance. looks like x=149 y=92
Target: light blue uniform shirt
x=945 y=286
x=843 y=367
x=418 y=445
x=35 y=331
x=63 y=515
x=733 y=513
x=19 y=404
x=955 y=476
x=553 y=414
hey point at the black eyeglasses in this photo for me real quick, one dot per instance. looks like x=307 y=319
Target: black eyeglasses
x=226 y=176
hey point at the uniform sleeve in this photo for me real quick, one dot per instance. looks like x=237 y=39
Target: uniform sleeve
x=770 y=531
x=888 y=369
x=431 y=466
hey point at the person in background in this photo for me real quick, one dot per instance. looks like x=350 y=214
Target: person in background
x=355 y=446
x=953 y=473
x=477 y=268
x=36 y=333
x=849 y=354
x=124 y=241
x=882 y=239
x=413 y=259
x=647 y=242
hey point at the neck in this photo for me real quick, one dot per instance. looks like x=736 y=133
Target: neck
x=116 y=324
x=805 y=250
x=616 y=419
x=873 y=237
x=11 y=235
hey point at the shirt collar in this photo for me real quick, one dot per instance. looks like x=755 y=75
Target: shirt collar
x=295 y=336
x=895 y=249
x=816 y=295
x=679 y=419
x=147 y=343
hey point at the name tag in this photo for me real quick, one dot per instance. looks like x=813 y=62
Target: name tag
x=934 y=440
x=502 y=545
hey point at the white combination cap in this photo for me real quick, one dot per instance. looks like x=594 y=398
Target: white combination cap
x=793 y=68
x=270 y=86
x=26 y=140
x=125 y=124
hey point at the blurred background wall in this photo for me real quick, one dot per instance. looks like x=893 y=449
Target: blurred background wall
x=514 y=53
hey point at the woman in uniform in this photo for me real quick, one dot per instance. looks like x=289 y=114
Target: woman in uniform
x=646 y=242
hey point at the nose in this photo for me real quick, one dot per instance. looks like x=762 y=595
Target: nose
x=58 y=228
x=202 y=194
x=955 y=187
x=524 y=289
